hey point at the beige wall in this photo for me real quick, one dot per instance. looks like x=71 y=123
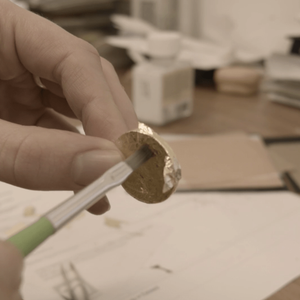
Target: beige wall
x=254 y=27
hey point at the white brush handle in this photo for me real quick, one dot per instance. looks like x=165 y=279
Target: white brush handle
x=87 y=197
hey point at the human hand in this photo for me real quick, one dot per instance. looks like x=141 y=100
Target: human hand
x=11 y=264
x=45 y=154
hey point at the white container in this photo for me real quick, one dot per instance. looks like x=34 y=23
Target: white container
x=163 y=87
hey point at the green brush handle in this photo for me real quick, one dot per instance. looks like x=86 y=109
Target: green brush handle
x=32 y=236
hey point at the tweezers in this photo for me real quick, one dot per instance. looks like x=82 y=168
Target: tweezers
x=69 y=284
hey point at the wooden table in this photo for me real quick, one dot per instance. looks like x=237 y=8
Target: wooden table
x=219 y=113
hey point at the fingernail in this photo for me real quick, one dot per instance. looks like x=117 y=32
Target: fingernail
x=88 y=166
x=38 y=81
x=101 y=207
x=104 y=199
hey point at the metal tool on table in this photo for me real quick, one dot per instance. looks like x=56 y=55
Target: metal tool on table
x=68 y=282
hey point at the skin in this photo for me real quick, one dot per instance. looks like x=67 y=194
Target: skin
x=11 y=264
x=39 y=148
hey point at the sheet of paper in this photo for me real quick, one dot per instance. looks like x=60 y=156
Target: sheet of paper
x=14 y=201
x=192 y=246
x=105 y=250
x=223 y=246
x=283 y=67
x=105 y=257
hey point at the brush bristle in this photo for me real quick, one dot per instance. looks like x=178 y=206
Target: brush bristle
x=139 y=157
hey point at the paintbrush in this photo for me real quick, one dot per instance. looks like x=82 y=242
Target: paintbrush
x=29 y=238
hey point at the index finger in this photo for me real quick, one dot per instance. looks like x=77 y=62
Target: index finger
x=48 y=51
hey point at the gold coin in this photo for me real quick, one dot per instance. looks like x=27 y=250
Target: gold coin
x=157 y=179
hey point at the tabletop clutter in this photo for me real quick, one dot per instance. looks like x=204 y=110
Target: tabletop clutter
x=282 y=82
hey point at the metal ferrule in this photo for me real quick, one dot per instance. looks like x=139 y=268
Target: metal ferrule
x=84 y=199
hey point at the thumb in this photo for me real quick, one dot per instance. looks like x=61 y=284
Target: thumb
x=11 y=264
x=49 y=159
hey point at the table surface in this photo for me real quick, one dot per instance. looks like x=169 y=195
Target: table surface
x=219 y=113
x=216 y=113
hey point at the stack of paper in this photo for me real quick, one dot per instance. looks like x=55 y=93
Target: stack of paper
x=283 y=79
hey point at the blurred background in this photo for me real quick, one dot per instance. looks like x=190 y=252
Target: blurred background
x=249 y=30
x=237 y=47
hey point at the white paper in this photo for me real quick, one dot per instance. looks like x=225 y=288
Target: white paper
x=283 y=67
x=13 y=202
x=192 y=246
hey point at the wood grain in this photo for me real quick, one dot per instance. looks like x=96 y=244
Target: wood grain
x=220 y=113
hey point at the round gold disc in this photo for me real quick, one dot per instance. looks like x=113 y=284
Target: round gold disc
x=156 y=179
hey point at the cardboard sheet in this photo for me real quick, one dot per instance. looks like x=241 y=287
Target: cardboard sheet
x=234 y=161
